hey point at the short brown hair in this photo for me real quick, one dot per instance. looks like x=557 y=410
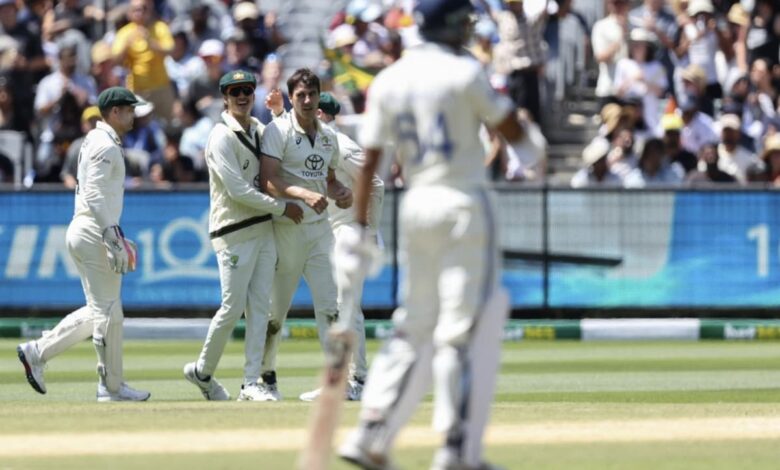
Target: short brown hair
x=303 y=77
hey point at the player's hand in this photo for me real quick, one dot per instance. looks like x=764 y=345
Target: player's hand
x=357 y=252
x=316 y=201
x=293 y=212
x=343 y=198
x=118 y=249
x=275 y=102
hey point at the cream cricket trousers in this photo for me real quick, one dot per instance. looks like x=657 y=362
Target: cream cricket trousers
x=102 y=288
x=246 y=273
x=303 y=249
x=448 y=247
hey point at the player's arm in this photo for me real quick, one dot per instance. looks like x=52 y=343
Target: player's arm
x=95 y=185
x=272 y=182
x=352 y=164
x=226 y=167
x=364 y=185
x=337 y=191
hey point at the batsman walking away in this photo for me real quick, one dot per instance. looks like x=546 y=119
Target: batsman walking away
x=452 y=307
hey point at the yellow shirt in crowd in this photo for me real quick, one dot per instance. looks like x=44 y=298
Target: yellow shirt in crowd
x=147 y=68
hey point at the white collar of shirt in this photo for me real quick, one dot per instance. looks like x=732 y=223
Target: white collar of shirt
x=234 y=125
x=298 y=128
x=107 y=128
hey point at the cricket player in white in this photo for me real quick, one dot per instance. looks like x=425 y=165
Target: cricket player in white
x=342 y=222
x=101 y=253
x=300 y=156
x=431 y=103
x=242 y=235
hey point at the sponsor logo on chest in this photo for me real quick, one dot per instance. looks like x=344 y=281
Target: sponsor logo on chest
x=313 y=167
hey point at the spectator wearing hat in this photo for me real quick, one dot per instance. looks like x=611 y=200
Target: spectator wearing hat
x=141 y=46
x=641 y=76
x=693 y=82
x=733 y=158
x=771 y=158
x=204 y=88
x=672 y=124
x=698 y=128
x=700 y=41
x=104 y=70
x=707 y=170
x=373 y=38
x=654 y=17
x=259 y=29
x=654 y=168
x=520 y=53
x=484 y=33
x=739 y=22
x=146 y=136
x=596 y=170
x=89 y=119
x=609 y=39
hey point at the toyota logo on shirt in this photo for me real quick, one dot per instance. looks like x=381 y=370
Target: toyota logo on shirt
x=314 y=162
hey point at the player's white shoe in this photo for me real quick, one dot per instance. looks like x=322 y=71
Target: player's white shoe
x=125 y=393
x=33 y=366
x=354 y=392
x=257 y=392
x=445 y=459
x=355 y=450
x=211 y=389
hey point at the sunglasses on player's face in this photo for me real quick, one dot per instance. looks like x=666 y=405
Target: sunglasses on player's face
x=235 y=92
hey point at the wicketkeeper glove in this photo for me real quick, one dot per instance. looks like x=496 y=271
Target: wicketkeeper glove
x=121 y=251
x=356 y=251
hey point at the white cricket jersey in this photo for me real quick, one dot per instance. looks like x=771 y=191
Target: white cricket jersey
x=234 y=169
x=100 y=186
x=303 y=163
x=352 y=160
x=430 y=103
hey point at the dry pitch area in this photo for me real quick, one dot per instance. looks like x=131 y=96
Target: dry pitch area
x=559 y=405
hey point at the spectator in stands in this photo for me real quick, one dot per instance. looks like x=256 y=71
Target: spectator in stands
x=732 y=157
x=10 y=120
x=771 y=158
x=621 y=158
x=520 y=53
x=204 y=89
x=141 y=46
x=73 y=14
x=652 y=16
x=270 y=79
x=672 y=124
x=763 y=39
x=259 y=29
x=238 y=53
x=105 y=71
x=195 y=132
x=654 y=168
x=484 y=33
x=763 y=94
x=597 y=171
x=372 y=37
x=708 y=170
x=89 y=119
x=640 y=75
x=182 y=66
x=739 y=23
x=609 y=39
x=568 y=49
x=29 y=63
x=200 y=27
x=693 y=82
x=632 y=114
x=698 y=128
x=60 y=92
x=700 y=41
x=146 y=136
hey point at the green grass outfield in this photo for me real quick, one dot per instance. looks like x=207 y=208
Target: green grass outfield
x=593 y=405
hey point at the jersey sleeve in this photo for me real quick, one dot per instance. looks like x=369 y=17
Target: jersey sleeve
x=375 y=130
x=335 y=160
x=96 y=184
x=273 y=141
x=491 y=107
x=221 y=159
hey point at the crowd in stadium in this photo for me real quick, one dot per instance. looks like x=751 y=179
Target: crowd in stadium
x=690 y=90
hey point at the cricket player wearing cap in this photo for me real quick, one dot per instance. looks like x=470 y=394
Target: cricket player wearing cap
x=242 y=235
x=101 y=253
x=300 y=157
x=431 y=103
x=351 y=161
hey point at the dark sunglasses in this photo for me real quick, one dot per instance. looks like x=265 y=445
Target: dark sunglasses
x=239 y=90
